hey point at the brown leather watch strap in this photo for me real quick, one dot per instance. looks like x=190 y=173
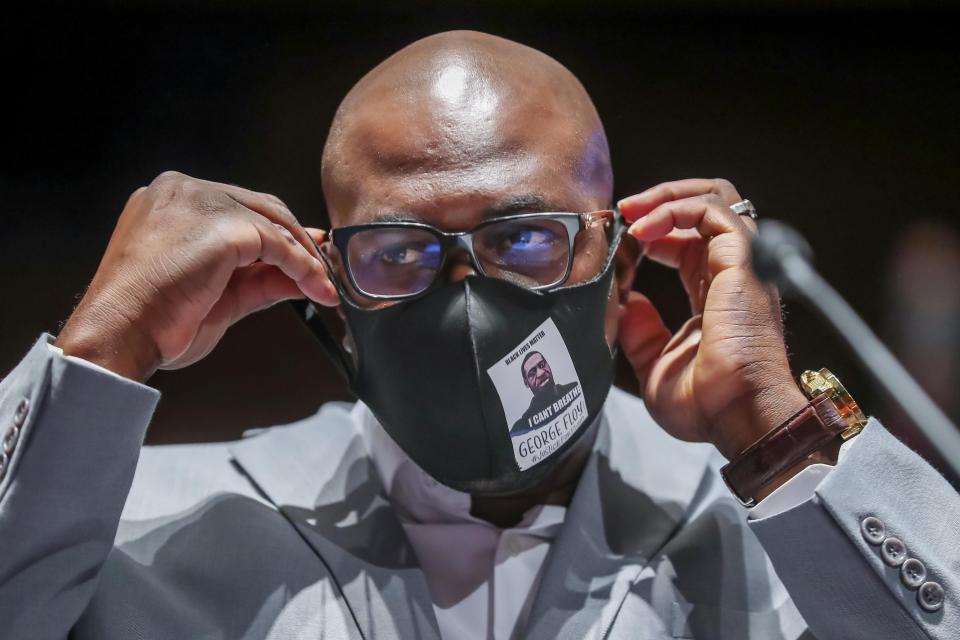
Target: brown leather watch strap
x=806 y=432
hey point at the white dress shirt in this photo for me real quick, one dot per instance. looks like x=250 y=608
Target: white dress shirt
x=482 y=579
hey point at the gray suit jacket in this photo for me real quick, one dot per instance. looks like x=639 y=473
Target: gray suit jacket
x=286 y=534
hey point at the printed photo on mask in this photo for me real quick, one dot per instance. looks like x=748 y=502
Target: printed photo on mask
x=541 y=395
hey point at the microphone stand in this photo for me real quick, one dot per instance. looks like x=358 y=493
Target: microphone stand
x=779 y=257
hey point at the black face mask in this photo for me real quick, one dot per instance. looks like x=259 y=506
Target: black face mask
x=484 y=384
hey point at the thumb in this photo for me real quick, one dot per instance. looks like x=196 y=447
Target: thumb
x=643 y=335
x=253 y=288
x=250 y=289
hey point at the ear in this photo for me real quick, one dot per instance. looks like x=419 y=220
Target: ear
x=626 y=260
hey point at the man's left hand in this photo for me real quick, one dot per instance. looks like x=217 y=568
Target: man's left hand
x=724 y=376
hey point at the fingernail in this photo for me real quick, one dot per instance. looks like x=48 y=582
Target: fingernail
x=627 y=210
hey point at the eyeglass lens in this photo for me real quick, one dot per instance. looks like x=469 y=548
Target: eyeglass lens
x=395 y=261
x=531 y=252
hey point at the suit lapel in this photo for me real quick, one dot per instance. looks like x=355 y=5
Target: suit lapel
x=318 y=473
x=633 y=495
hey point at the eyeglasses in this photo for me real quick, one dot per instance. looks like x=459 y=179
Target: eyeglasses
x=395 y=260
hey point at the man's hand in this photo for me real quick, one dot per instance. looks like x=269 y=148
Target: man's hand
x=187 y=259
x=724 y=376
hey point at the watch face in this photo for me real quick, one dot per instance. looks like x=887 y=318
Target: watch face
x=816 y=382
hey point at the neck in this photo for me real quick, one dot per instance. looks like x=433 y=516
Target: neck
x=557 y=488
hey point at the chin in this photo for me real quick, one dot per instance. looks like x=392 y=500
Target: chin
x=513 y=483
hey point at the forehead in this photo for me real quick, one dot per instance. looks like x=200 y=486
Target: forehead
x=454 y=162
x=533 y=361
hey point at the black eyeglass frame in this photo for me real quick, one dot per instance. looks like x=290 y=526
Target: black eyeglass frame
x=573 y=222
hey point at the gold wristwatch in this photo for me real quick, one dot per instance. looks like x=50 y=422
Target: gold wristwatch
x=831 y=414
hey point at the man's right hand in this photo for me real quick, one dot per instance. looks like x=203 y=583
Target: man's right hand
x=187 y=259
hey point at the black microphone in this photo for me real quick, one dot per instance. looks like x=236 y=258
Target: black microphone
x=776 y=244
x=781 y=256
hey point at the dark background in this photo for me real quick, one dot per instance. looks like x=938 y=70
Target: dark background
x=840 y=119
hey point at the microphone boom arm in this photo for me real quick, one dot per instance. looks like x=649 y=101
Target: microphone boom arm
x=796 y=275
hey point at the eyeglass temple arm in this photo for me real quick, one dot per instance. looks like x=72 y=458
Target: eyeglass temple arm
x=604 y=217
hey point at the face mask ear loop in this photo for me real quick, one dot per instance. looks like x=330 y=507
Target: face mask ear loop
x=308 y=314
x=619 y=227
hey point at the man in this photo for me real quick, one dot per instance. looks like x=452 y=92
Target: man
x=538 y=377
x=469 y=187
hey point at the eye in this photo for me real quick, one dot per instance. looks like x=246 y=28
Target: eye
x=399 y=255
x=525 y=240
x=409 y=254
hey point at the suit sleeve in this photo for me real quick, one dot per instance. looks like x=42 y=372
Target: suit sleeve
x=833 y=553
x=71 y=438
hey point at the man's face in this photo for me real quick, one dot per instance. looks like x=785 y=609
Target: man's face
x=465 y=147
x=537 y=374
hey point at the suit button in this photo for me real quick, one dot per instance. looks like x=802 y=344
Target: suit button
x=913 y=573
x=894 y=552
x=873 y=530
x=4 y=459
x=20 y=415
x=10 y=440
x=930 y=596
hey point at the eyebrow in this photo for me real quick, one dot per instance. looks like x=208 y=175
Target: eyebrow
x=525 y=203
x=396 y=216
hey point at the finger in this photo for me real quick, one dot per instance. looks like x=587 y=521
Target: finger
x=637 y=206
x=319 y=236
x=708 y=214
x=272 y=208
x=274 y=244
x=749 y=223
x=686 y=251
x=135 y=196
x=306 y=270
x=670 y=249
x=642 y=335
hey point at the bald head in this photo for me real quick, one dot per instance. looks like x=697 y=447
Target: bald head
x=461 y=126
